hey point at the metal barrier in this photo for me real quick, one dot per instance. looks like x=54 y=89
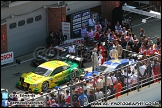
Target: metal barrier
x=125 y=89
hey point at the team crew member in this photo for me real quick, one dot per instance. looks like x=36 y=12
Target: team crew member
x=102 y=49
x=114 y=53
x=119 y=48
x=94 y=57
x=72 y=49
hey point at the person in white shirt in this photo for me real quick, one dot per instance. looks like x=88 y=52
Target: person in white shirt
x=113 y=53
x=142 y=72
x=100 y=83
x=124 y=31
x=113 y=79
x=94 y=57
x=91 y=22
x=100 y=57
x=134 y=78
x=99 y=94
x=72 y=49
x=83 y=31
x=90 y=34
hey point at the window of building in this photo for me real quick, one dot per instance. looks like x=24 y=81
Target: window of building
x=13 y=25
x=21 y=23
x=38 y=18
x=29 y=20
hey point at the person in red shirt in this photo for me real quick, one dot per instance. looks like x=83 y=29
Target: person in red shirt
x=102 y=49
x=98 y=25
x=152 y=51
x=156 y=69
x=98 y=34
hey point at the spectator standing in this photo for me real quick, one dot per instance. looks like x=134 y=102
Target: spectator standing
x=116 y=26
x=105 y=22
x=135 y=47
x=98 y=25
x=109 y=25
x=142 y=72
x=127 y=43
x=108 y=82
x=83 y=31
x=108 y=33
x=83 y=99
x=156 y=69
x=100 y=83
x=90 y=34
x=142 y=32
x=98 y=35
x=158 y=41
x=91 y=97
x=119 y=29
x=54 y=104
x=75 y=100
x=120 y=78
x=119 y=49
x=98 y=94
x=124 y=31
x=134 y=78
x=91 y=22
x=150 y=42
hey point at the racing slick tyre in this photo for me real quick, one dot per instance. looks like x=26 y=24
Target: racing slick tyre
x=51 y=53
x=45 y=86
x=73 y=74
x=39 y=52
x=87 y=57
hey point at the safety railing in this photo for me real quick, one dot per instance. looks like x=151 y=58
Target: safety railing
x=125 y=89
x=106 y=96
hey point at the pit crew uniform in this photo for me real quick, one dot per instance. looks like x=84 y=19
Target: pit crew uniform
x=102 y=49
x=114 y=53
x=95 y=58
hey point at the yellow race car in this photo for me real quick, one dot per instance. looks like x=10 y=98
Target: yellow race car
x=49 y=75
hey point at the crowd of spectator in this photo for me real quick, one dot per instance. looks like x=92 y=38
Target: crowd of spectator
x=125 y=78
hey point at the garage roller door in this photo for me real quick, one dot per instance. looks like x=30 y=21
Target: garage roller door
x=27 y=32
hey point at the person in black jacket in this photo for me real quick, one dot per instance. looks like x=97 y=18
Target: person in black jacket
x=127 y=43
x=135 y=46
x=49 y=39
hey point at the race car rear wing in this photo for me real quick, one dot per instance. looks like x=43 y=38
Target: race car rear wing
x=71 y=57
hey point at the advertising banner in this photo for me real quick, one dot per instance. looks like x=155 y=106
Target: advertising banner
x=7 y=58
x=66 y=29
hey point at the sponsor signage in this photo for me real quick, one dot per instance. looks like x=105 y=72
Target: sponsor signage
x=7 y=58
x=66 y=29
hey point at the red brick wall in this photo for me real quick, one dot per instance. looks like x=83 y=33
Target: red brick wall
x=107 y=7
x=4 y=48
x=54 y=18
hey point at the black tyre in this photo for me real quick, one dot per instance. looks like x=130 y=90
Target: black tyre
x=51 y=53
x=73 y=75
x=39 y=52
x=45 y=86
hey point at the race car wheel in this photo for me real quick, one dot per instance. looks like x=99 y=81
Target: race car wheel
x=87 y=57
x=73 y=74
x=51 y=53
x=45 y=86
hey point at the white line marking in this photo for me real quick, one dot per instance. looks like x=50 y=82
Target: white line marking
x=17 y=64
x=145 y=23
